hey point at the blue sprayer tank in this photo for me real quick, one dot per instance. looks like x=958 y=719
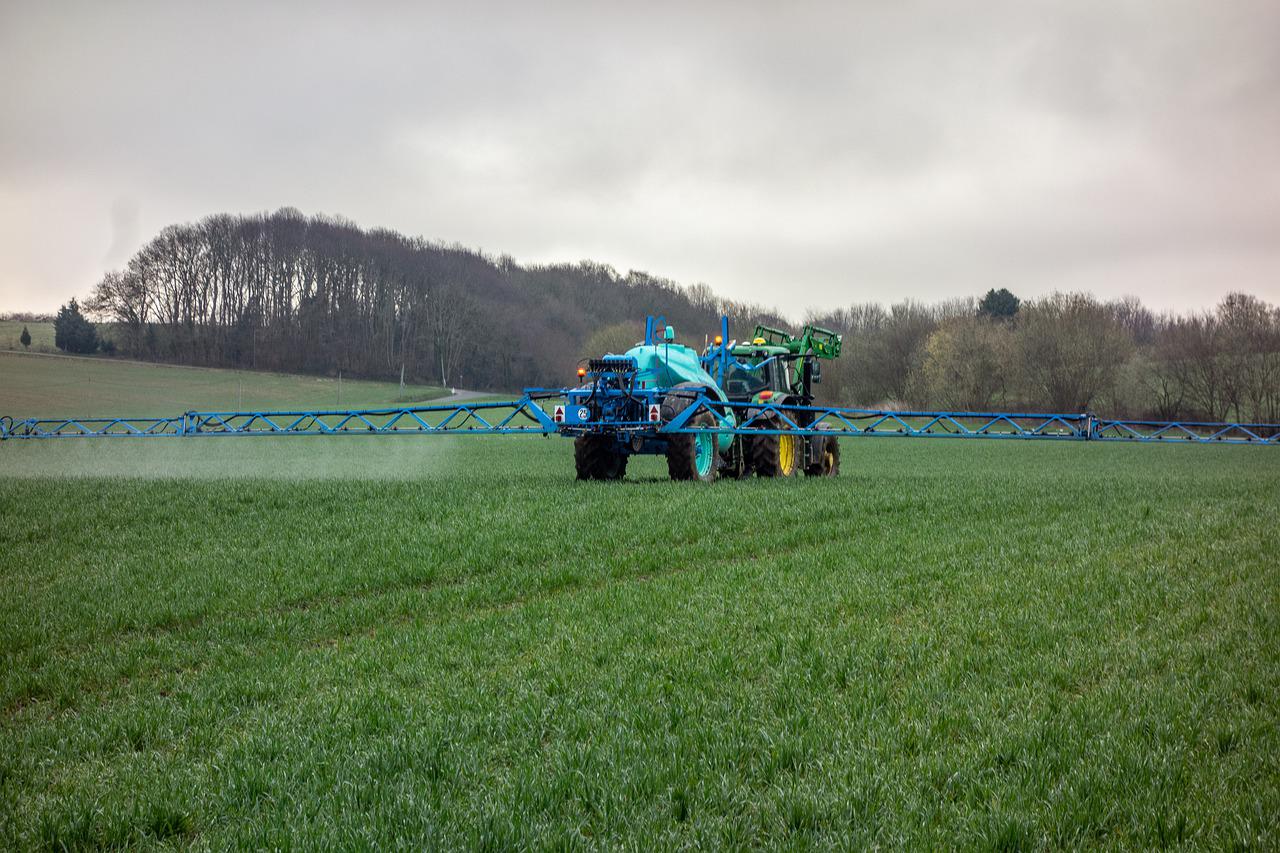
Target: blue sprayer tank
x=665 y=365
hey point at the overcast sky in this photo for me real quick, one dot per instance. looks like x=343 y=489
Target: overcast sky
x=794 y=154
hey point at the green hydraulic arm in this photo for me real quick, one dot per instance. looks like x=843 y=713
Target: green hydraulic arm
x=812 y=342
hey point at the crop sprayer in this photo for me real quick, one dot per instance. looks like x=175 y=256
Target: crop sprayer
x=735 y=409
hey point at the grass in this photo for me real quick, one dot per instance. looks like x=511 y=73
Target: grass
x=60 y=386
x=41 y=336
x=448 y=642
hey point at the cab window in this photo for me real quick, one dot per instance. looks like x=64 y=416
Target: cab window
x=741 y=382
x=778 y=375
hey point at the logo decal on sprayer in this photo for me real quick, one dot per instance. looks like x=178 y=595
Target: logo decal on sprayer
x=655 y=413
x=558 y=415
x=584 y=414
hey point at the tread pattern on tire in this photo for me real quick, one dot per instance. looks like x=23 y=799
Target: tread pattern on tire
x=682 y=452
x=766 y=451
x=596 y=457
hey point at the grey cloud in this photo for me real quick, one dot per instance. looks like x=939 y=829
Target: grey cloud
x=124 y=232
x=846 y=151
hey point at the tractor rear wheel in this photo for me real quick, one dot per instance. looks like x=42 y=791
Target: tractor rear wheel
x=776 y=455
x=596 y=457
x=828 y=463
x=692 y=456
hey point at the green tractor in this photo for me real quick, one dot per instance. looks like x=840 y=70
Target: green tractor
x=777 y=368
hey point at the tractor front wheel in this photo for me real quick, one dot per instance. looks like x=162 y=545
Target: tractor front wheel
x=692 y=455
x=777 y=455
x=597 y=457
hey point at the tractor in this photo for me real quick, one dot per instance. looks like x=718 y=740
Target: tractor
x=777 y=368
x=640 y=402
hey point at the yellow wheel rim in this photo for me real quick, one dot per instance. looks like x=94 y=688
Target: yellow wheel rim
x=787 y=445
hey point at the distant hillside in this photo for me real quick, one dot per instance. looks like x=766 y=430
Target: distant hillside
x=320 y=295
x=68 y=386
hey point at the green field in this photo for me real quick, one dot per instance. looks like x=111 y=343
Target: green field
x=61 y=386
x=41 y=336
x=431 y=642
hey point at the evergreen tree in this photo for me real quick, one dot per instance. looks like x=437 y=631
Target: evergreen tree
x=25 y=338
x=72 y=332
x=999 y=304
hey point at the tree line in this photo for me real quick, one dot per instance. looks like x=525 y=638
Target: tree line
x=1067 y=352
x=284 y=291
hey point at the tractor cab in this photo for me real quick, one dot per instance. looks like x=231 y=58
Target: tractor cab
x=775 y=364
x=755 y=370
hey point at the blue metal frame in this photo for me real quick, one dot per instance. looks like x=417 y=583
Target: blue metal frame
x=759 y=418
x=523 y=416
x=1184 y=431
x=527 y=416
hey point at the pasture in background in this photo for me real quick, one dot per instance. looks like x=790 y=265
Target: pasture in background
x=58 y=386
x=41 y=336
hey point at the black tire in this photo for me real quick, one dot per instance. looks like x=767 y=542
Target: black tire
x=768 y=452
x=828 y=464
x=596 y=457
x=680 y=398
x=682 y=452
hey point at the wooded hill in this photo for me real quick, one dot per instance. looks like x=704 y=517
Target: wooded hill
x=320 y=295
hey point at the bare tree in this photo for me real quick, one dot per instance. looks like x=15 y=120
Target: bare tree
x=964 y=364
x=1069 y=349
x=1189 y=352
x=122 y=297
x=1135 y=318
x=451 y=323
x=1250 y=355
x=896 y=349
